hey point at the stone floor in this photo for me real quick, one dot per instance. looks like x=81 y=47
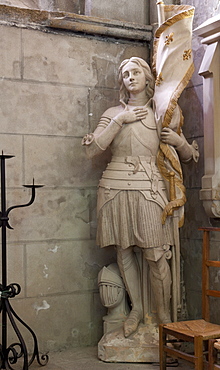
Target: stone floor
x=86 y=359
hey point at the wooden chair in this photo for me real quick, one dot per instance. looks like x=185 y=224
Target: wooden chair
x=199 y=332
x=214 y=348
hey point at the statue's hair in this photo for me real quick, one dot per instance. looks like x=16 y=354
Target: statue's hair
x=124 y=94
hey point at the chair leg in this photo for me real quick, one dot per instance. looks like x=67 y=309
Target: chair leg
x=212 y=354
x=162 y=342
x=198 y=349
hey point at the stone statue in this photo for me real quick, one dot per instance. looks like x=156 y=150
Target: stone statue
x=132 y=193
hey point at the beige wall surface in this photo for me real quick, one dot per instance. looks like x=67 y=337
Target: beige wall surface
x=54 y=87
x=74 y=6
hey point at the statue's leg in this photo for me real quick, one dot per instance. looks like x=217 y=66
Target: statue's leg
x=160 y=277
x=130 y=272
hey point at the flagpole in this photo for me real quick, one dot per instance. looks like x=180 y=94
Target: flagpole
x=175 y=264
x=160 y=12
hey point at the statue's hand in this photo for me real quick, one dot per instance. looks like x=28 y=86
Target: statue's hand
x=170 y=137
x=130 y=115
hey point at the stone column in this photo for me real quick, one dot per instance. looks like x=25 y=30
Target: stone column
x=210 y=192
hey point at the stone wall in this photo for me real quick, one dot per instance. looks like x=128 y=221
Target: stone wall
x=191 y=102
x=104 y=9
x=73 y=6
x=126 y=11
x=55 y=84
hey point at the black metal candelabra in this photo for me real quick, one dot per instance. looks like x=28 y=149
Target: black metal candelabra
x=9 y=355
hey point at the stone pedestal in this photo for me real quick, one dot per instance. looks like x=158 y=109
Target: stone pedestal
x=142 y=346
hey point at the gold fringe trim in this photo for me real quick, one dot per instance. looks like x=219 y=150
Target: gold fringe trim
x=159 y=79
x=154 y=59
x=178 y=8
x=174 y=98
x=165 y=151
x=183 y=12
x=181 y=222
x=179 y=202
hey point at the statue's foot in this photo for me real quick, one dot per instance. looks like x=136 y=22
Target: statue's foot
x=131 y=323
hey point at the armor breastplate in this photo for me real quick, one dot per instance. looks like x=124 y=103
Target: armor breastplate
x=137 y=139
x=133 y=165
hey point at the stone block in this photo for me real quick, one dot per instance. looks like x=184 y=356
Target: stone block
x=62 y=267
x=191 y=252
x=192 y=171
x=72 y=6
x=214 y=248
x=203 y=11
x=195 y=216
x=191 y=102
x=198 y=53
x=105 y=62
x=13 y=145
x=10 y=56
x=58 y=321
x=30 y=4
x=16 y=266
x=194 y=305
x=61 y=162
x=99 y=101
x=55 y=214
x=63 y=60
x=127 y=11
x=142 y=346
x=153 y=19
x=93 y=213
x=57 y=59
x=214 y=309
x=43 y=109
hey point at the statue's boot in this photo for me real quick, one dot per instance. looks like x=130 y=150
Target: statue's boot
x=130 y=273
x=160 y=278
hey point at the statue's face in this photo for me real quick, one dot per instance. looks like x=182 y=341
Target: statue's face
x=133 y=78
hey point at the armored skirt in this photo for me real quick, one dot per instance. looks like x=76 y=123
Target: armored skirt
x=129 y=219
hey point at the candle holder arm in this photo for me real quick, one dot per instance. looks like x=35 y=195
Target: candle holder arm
x=33 y=187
